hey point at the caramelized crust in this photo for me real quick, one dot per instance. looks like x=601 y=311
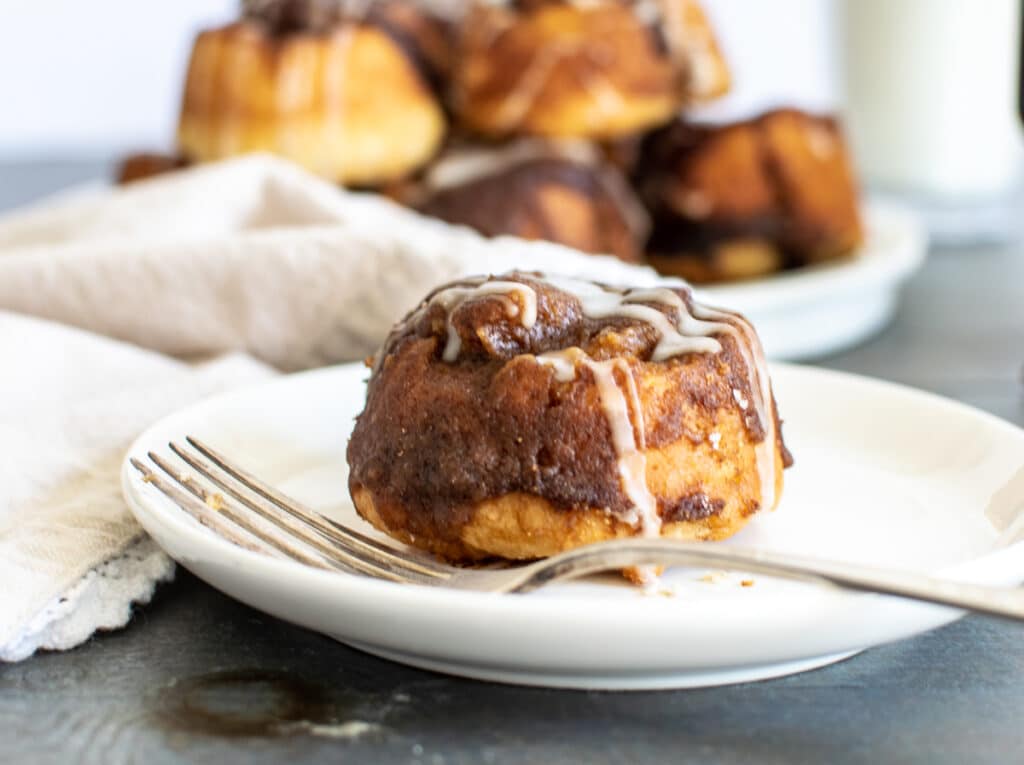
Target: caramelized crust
x=139 y=167
x=816 y=184
x=749 y=198
x=345 y=100
x=423 y=37
x=495 y=454
x=594 y=70
x=553 y=199
x=428 y=41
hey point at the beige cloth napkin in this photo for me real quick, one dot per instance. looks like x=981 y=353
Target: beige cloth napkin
x=121 y=305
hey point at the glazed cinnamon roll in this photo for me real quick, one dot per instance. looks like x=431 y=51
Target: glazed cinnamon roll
x=748 y=198
x=600 y=69
x=561 y=193
x=344 y=88
x=519 y=416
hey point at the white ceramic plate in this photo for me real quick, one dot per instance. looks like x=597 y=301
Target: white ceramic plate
x=825 y=308
x=883 y=475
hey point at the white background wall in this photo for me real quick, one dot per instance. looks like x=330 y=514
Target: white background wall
x=780 y=51
x=94 y=76
x=99 y=77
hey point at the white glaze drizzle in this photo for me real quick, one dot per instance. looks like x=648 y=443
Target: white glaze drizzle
x=452 y=298
x=688 y=335
x=629 y=441
x=563 y=363
x=760 y=391
x=692 y=333
x=627 y=431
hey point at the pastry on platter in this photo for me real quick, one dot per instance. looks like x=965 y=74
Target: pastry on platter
x=342 y=88
x=519 y=415
x=749 y=198
x=536 y=190
x=139 y=167
x=601 y=69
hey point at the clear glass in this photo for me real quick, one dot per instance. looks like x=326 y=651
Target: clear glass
x=931 y=92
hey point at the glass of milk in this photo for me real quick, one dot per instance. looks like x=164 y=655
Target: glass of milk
x=931 y=99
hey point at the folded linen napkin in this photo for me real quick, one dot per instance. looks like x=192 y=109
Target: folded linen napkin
x=119 y=306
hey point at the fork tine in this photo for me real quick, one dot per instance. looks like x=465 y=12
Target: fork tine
x=224 y=525
x=289 y=524
x=237 y=512
x=350 y=538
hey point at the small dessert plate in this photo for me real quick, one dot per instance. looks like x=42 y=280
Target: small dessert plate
x=822 y=309
x=884 y=475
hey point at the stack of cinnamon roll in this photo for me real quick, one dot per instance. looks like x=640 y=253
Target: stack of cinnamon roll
x=562 y=120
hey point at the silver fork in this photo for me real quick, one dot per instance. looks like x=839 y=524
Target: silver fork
x=256 y=516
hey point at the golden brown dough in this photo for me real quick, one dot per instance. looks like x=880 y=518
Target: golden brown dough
x=534 y=191
x=512 y=417
x=342 y=95
x=749 y=198
x=601 y=70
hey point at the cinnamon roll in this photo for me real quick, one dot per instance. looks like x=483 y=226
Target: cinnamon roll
x=600 y=69
x=343 y=88
x=519 y=416
x=748 y=198
x=561 y=193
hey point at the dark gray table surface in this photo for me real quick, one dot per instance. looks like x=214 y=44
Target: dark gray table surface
x=199 y=677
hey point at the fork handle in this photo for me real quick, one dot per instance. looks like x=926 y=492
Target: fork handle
x=1007 y=602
